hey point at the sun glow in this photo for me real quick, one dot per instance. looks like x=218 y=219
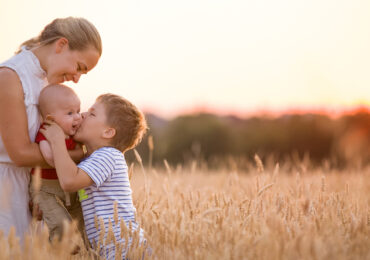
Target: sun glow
x=226 y=56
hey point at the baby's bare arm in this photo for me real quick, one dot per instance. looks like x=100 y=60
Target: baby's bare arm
x=47 y=153
x=77 y=154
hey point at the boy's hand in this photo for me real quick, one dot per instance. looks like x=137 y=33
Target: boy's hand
x=52 y=132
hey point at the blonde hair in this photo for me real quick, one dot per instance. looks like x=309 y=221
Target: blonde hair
x=126 y=119
x=79 y=32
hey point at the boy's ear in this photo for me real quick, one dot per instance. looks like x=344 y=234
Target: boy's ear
x=109 y=133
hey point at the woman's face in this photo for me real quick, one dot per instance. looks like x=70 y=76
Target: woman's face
x=68 y=65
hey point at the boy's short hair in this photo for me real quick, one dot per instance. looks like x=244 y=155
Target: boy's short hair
x=126 y=119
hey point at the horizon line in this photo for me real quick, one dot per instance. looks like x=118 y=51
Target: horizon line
x=330 y=111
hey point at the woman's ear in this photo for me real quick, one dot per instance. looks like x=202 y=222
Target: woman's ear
x=60 y=44
x=109 y=133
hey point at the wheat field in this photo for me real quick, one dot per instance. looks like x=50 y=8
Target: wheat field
x=198 y=213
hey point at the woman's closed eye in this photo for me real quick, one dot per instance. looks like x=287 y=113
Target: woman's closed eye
x=90 y=113
x=81 y=68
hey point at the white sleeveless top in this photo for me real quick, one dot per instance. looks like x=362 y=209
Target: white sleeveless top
x=33 y=79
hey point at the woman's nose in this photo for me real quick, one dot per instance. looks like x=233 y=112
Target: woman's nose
x=83 y=115
x=76 y=77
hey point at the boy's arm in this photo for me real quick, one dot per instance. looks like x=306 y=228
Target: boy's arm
x=71 y=178
x=46 y=152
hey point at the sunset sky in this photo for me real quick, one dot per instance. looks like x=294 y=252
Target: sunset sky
x=171 y=56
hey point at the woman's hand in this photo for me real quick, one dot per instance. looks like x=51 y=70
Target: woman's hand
x=52 y=132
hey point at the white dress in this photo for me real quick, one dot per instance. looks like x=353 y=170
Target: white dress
x=14 y=181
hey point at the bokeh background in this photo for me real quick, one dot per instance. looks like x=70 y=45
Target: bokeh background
x=287 y=78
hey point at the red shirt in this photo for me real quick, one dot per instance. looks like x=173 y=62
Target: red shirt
x=51 y=174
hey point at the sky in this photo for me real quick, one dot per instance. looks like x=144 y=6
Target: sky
x=171 y=57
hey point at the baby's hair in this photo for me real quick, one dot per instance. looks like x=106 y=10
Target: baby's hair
x=126 y=119
x=79 y=32
x=51 y=94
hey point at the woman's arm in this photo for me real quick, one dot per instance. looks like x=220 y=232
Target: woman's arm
x=14 y=124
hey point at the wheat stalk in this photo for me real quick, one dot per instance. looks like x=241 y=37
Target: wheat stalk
x=264 y=188
x=151 y=148
x=168 y=168
x=115 y=212
x=138 y=158
x=259 y=163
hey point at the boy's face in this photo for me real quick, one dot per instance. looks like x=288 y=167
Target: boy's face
x=93 y=124
x=66 y=114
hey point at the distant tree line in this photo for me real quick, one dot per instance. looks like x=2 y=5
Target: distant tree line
x=344 y=139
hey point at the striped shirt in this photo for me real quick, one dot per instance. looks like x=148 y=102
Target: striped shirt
x=108 y=169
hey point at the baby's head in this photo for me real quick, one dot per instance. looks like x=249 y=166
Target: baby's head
x=112 y=121
x=61 y=104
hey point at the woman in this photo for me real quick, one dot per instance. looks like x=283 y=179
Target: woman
x=64 y=50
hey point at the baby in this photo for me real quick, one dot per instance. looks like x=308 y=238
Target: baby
x=60 y=104
x=111 y=126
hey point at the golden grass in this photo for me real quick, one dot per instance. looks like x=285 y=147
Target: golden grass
x=262 y=214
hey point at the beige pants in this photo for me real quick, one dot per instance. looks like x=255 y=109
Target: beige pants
x=52 y=201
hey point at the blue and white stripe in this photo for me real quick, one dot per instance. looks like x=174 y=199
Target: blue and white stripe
x=108 y=169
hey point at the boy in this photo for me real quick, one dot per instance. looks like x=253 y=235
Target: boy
x=110 y=127
x=59 y=103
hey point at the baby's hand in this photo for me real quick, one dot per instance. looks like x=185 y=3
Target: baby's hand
x=52 y=132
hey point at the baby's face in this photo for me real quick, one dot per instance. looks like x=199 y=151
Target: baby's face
x=66 y=114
